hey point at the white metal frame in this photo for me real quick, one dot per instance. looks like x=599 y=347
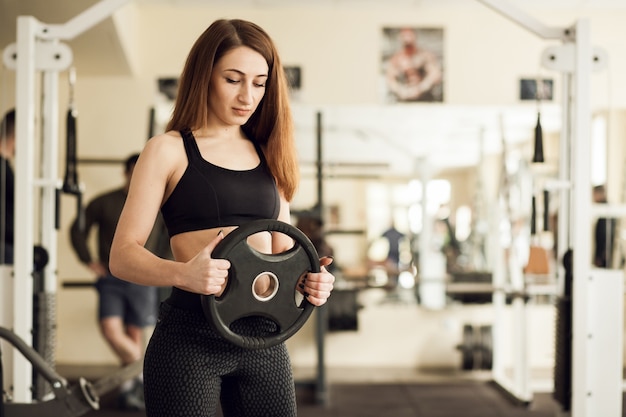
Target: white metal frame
x=597 y=327
x=38 y=50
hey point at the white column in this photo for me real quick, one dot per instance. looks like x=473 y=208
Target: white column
x=597 y=294
x=27 y=28
x=580 y=229
x=49 y=176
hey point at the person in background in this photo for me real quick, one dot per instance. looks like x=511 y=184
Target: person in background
x=227 y=157
x=125 y=309
x=7 y=187
x=384 y=257
x=394 y=237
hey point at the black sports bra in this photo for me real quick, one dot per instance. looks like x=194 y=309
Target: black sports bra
x=208 y=196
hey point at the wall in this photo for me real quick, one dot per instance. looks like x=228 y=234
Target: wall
x=338 y=50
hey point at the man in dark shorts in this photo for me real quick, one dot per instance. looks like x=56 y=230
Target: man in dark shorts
x=125 y=309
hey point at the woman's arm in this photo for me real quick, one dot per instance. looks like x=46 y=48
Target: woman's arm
x=130 y=260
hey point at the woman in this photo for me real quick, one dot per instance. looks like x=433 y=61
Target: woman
x=227 y=157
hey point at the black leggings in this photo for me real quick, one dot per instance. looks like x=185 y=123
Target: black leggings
x=188 y=366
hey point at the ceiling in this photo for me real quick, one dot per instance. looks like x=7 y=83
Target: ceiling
x=385 y=136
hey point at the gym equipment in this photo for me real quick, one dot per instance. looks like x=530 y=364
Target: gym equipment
x=533 y=217
x=68 y=400
x=320 y=384
x=44 y=320
x=598 y=294
x=70 y=181
x=38 y=57
x=538 y=154
x=467 y=348
x=284 y=270
x=470 y=287
x=476 y=347
x=485 y=346
x=563 y=349
x=546 y=210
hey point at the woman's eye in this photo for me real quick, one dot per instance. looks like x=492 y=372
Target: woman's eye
x=261 y=85
x=231 y=81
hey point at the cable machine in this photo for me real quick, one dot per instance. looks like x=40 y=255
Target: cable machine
x=38 y=50
x=597 y=294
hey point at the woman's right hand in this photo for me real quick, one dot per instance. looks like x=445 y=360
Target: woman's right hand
x=206 y=275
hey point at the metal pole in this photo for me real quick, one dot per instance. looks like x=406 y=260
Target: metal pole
x=320 y=166
x=321 y=394
x=565 y=193
x=597 y=293
x=84 y=21
x=27 y=28
x=518 y=16
x=579 y=224
x=50 y=169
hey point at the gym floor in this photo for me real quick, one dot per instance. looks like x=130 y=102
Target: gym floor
x=450 y=399
x=393 y=393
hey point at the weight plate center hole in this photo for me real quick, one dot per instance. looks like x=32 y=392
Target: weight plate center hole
x=265 y=286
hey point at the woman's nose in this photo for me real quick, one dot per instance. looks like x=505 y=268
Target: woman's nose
x=245 y=94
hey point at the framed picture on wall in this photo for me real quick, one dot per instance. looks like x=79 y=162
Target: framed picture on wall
x=528 y=89
x=161 y=111
x=412 y=64
x=294 y=77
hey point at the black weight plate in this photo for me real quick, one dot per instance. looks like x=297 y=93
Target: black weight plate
x=238 y=299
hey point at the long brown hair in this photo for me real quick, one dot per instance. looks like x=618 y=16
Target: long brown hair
x=271 y=125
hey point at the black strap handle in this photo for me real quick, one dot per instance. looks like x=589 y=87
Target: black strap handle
x=70 y=181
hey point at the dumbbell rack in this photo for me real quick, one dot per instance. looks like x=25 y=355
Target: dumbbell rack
x=476 y=347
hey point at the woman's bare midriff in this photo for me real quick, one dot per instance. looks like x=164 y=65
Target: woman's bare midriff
x=187 y=245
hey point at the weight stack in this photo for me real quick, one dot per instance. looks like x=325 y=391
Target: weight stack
x=563 y=340
x=44 y=335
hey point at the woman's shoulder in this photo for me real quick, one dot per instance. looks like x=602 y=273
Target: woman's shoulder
x=164 y=147
x=164 y=143
x=169 y=138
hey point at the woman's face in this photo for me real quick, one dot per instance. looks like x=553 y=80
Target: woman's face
x=237 y=85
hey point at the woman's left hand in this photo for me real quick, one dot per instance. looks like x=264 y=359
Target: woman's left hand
x=317 y=286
